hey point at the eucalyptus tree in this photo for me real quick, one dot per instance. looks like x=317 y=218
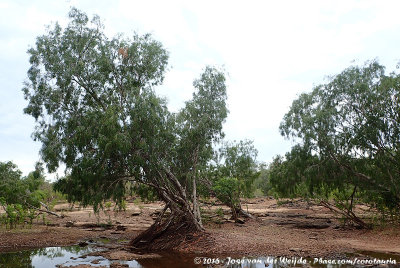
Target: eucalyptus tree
x=11 y=185
x=200 y=126
x=235 y=173
x=349 y=135
x=18 y=189
x=97 y=112
x=21 y=197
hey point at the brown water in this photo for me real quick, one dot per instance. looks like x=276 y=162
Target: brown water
x=74 y=255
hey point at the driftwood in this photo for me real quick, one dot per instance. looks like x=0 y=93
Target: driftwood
x=46 y=210
x=50 y=212
x=348 y=214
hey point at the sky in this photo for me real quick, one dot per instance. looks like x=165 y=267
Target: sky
x=272 y=51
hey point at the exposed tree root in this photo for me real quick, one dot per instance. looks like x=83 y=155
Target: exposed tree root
x=164 y=236
x=238 y=212
x=166 y=233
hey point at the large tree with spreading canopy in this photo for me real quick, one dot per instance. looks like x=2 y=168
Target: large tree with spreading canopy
x=348 y=134
x=97 y=113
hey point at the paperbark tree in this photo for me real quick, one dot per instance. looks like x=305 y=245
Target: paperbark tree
x=235 y=174
x=97 y=112
x=349 y=137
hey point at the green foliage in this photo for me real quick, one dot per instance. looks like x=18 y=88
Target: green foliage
x=239 y=162
x=289 y=177
x=11 y=184
x=19 y=196
x=96 y=111
x=199 y=127
x=31 y=215
x=16 y=214
x=227 y=191
x=121 y=206
x=108 y=205
x=349 y=135
x=220 y=212
x=98 y=93
x=262 y=183
x=234 y=173
x=145 y=192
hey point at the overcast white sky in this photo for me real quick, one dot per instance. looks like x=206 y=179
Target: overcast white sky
x=272 y=50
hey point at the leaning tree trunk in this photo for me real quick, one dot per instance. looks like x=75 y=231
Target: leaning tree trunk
x=169 y=231
x=237 y=212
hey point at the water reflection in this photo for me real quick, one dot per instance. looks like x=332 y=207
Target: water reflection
x=74 y=255
x=49 y=257
x=16 y=259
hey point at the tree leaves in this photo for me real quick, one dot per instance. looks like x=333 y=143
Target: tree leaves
x=349 y=128
x=96 y=110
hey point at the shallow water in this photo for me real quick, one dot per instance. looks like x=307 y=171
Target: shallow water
x=74 y=255
x=51 y=256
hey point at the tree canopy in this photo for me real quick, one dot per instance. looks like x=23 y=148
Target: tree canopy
x=97 y=112
x=234 y=174
x=22 y=197
x=349 y=136
x=15 y=189
x=239 y=161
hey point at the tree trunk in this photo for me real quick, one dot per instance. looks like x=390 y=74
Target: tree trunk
x=347 y=214
x=237 y=211
x=168 y=232
x=196 y=208
x=352 y=198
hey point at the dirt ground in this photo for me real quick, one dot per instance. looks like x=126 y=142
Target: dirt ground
x=290 y=229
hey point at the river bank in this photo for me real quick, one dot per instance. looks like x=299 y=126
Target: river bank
x=281 y=229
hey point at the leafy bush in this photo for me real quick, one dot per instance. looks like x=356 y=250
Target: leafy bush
x=19 y=196
x=227 y=191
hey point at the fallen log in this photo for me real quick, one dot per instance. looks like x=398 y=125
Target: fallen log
x=348 y=214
